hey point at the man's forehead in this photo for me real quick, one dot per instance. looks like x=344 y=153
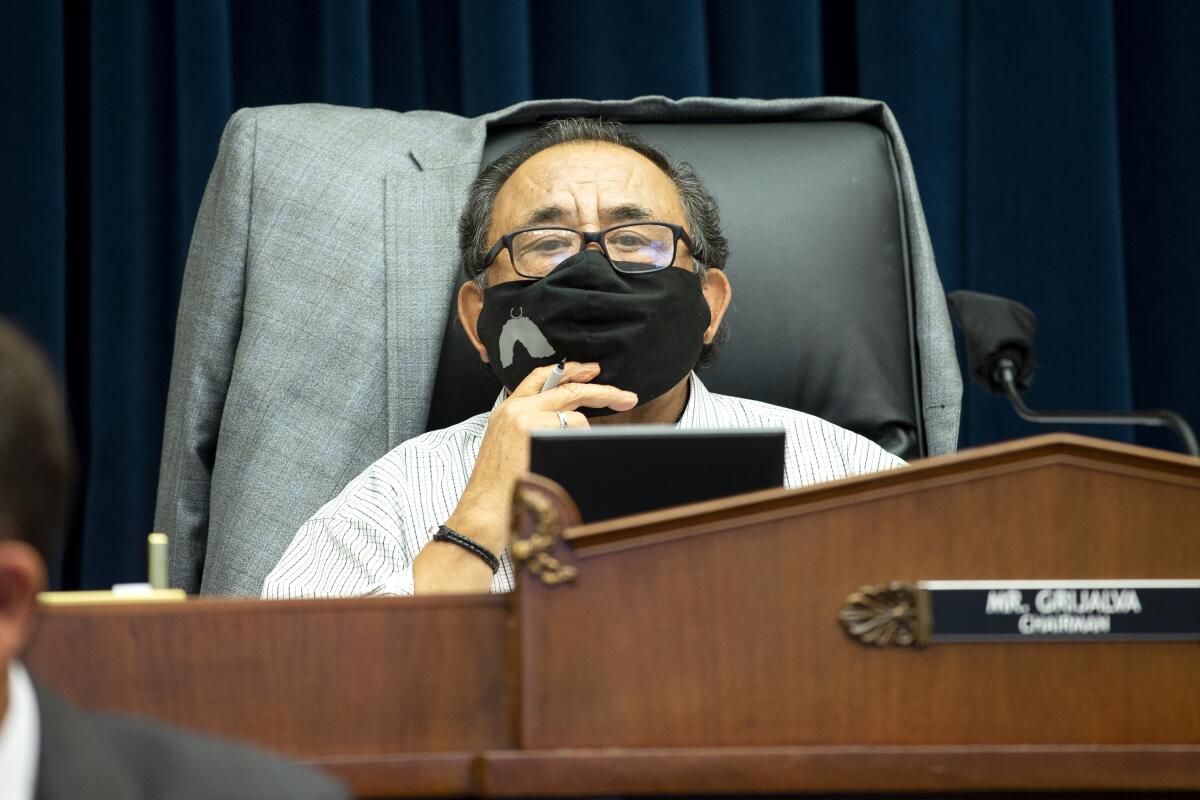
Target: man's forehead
x=586 y=182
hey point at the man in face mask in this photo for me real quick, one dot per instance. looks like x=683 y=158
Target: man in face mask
x=586 y=245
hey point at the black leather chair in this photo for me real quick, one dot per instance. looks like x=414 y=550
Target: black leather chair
x=325 y=230
x=823 y=317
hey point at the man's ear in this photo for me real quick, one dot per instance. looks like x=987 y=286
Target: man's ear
x=22 y=576
x=718 y=293
x=470 y=304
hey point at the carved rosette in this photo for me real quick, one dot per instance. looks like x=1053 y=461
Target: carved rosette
x=888 y=614
x=533 y=552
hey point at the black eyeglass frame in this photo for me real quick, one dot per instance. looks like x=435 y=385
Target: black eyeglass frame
x=586 y=238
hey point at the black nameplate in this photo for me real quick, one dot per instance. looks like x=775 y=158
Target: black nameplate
x=1020 y=611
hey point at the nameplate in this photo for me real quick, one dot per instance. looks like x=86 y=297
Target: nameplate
x=931 y=612
x=1019 y=611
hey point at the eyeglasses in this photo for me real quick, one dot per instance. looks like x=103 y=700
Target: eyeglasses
x=634 y=247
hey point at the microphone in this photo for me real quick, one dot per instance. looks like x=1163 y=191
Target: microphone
x=999 y=339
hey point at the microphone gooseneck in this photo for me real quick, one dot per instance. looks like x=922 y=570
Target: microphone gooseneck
x=999 y=341
x=1006 y=374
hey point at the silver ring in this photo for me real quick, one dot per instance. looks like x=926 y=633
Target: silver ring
x=562 y=421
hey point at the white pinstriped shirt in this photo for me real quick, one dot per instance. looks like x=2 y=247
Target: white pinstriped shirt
x=363 y=542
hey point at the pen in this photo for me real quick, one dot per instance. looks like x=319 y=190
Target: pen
x=556 y=376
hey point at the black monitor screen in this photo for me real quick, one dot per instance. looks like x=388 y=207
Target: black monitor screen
x=626 y=469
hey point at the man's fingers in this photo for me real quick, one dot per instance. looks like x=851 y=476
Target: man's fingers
x=550 y=420
x=575 y=419
x=533 y=382
x=580 y=371
x=570 y=396
x=573 y=371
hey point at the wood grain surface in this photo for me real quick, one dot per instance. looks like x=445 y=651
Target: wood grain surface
x=778 y=770
x=405 y=775
x=309 y=678
x=716 y=626
x=698 y=650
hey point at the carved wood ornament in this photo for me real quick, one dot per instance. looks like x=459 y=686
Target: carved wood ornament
x=887 y=614
x=533 y=552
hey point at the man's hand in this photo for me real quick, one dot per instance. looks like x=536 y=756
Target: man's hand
x=483 y=511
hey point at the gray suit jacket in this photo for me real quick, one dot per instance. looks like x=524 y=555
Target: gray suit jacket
x=121 y=758
x=315 y=300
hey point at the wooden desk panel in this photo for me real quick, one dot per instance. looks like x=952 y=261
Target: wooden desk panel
x=309 y=678
x=717 y=626
x=698 y=651
x=778 y=770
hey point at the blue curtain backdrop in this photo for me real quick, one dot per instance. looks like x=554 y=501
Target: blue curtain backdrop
x=1053 y=142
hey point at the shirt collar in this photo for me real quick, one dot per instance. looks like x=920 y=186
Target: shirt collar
x=697 y=412
x=20 y=734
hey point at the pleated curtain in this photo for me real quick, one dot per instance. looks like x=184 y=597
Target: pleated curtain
x=1054 y=143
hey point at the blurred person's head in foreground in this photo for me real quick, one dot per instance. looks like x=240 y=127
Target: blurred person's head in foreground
x=36 y=473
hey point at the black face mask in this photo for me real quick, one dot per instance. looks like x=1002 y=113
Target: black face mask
x=646 y=330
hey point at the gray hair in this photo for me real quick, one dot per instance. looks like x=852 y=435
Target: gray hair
x=710 y=248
